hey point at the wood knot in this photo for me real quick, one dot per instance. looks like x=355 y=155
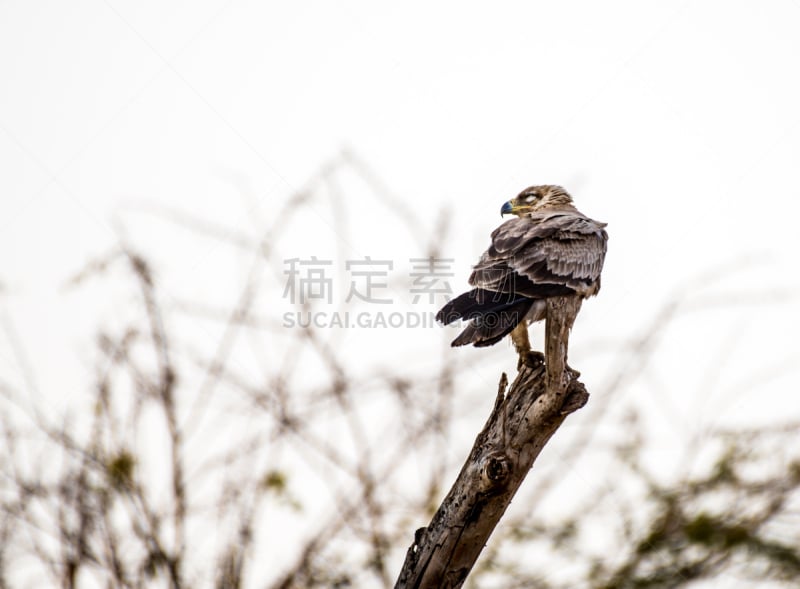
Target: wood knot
x=495 y=470
x=577 y=396
x=419 y=536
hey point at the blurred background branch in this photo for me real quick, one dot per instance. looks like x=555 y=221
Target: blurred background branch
x=182 y=464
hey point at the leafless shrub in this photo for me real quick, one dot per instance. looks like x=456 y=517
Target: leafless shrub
x=185 y=466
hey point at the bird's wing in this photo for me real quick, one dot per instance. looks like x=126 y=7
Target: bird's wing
x=544 y=254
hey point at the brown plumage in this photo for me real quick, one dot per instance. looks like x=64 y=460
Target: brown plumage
x=549 y=249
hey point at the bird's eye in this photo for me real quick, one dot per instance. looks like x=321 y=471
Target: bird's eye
x=530 y=199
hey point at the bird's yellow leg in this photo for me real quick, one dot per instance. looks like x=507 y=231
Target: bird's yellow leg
x=519 y=335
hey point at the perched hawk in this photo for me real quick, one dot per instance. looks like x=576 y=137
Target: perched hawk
x=549 y=249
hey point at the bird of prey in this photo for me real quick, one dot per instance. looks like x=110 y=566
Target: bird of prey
x=549 y=249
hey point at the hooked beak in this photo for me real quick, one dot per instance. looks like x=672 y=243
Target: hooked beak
x=506 y=209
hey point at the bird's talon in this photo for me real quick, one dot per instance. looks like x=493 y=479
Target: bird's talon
x=531 y=359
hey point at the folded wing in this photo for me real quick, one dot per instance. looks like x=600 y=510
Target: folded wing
x=546 y=254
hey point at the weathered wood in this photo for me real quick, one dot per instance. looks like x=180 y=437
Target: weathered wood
x=521 y=423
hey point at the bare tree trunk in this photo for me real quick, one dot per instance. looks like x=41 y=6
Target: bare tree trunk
x=521 y=423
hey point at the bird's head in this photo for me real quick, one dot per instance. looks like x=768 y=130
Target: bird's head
x=537 y=198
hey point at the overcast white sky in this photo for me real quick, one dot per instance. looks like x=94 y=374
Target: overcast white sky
x=675 y=122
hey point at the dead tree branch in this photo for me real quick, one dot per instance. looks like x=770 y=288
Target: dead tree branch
x=521 y=423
